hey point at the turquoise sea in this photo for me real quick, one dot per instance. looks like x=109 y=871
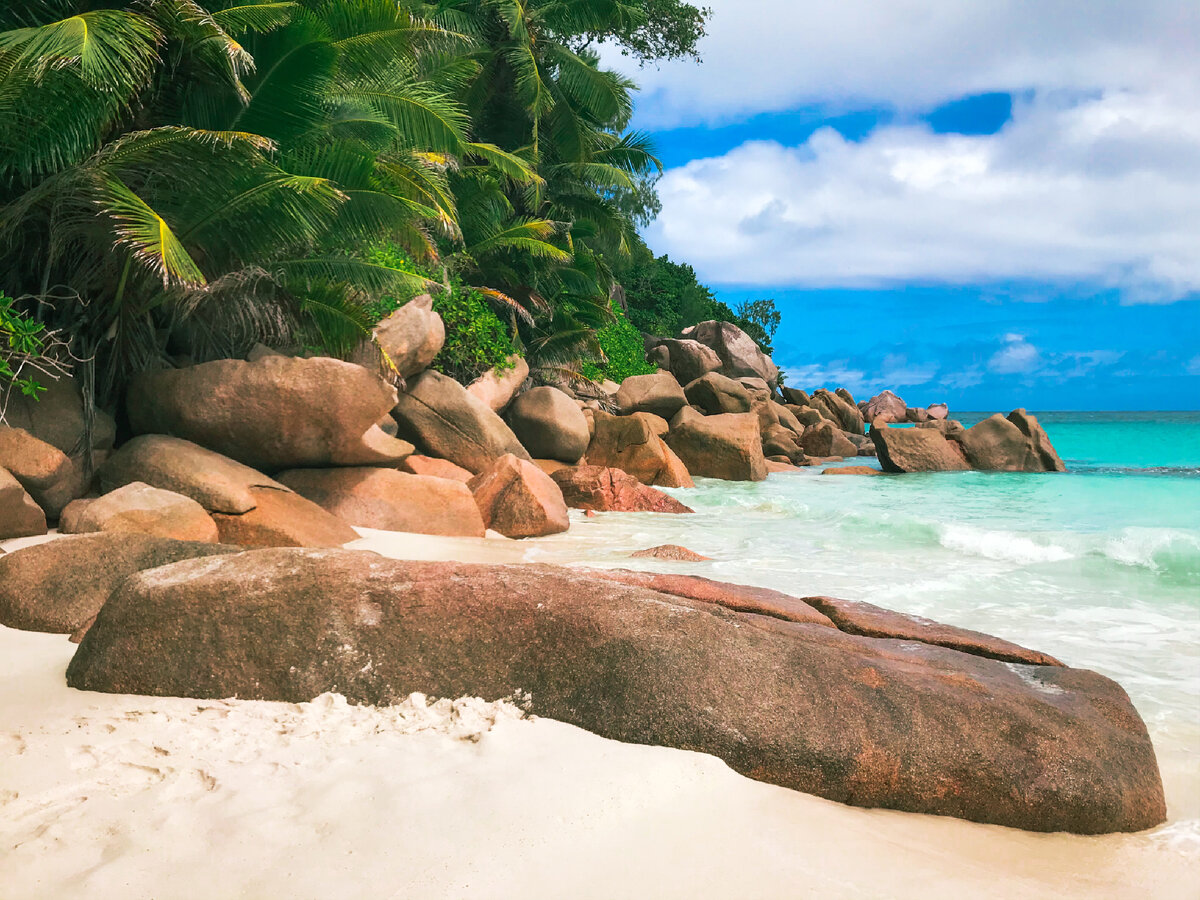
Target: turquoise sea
x=1099 y=566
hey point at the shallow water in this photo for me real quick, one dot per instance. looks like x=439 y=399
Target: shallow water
x=1099 y=567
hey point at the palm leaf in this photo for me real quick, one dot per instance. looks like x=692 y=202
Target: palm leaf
x=150 y=239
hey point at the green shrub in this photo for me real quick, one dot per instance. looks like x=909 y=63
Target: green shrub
x=22 y=344
x=624 y=351
x=476 y=338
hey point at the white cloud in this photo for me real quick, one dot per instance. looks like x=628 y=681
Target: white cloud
x=1016 y=357
x=764 y=55
x=1193 y=366
x=1106 y=191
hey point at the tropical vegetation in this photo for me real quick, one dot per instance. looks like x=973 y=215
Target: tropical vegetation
x=180 y=179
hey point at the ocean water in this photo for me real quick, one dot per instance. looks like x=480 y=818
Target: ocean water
x=1099 y=566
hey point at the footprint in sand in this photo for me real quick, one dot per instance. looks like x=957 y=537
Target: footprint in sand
x=11 y=744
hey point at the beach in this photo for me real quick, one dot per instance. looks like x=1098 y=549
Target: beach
x=123 y=796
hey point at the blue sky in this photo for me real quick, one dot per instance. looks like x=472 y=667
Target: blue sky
x=945 y=201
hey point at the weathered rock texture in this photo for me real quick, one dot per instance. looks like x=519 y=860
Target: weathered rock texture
x=659 y=394
x=19 y=515
x=281 y=518
x=550 y=425
x=611 y=490
x=60 y=585
x=737 y=351
x=56 y=416
x=728 y=446
x=391 y=500
x=917 y=450
x=632 y=444
x=141 y=509
x=438 y=468
x=673 y=552
x=280 y=412
x=497 y=387
x=50 y=477
x=715 y=394
x=216 y=482
x=686 y=360
x=874 y=722
x=519 y=500
x=884 y=408
x=438 y=415
x=411 y=336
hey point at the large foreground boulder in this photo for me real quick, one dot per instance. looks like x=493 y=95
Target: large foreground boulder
x=51 y=477
x=1014 y=444
x=782 y=697
x=917 y=450
x=216 y=482
x=634 y=444
x=826 y=440
x=56 y=415
x=550 y=425
x=519 y=500
x=716 y=394
x=391 y=500
x=281 y=518
x=19 y=515
x=141 y=509
x=659 y=394
x=737 y=351
x=280 y=412
x=1045 y=457
x=611 y=490
x=442 y=419
x=60 y=585
x=727 y=446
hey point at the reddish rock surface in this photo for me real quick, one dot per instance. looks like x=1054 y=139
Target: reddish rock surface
x=631 y=444
x=878 y=723
x=917 y=450
x=60 y=585
x=519 y=500
x=281 y=518
x=852 y=470
x=550 y=425
x=280 y=412
x=50 y=477
x=727 y=446
x=672 y=552
x=611 y=490
x=140 y=509
x=436 y=468
x=391 y=500
x=19 y=515
x=658 y=393
x=868 y=620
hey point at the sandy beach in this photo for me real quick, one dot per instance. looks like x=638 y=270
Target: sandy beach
x=113 y=796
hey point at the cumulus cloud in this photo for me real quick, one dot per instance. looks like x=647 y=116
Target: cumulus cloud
x=1017 y=356
x=765 y=55
x=1104 y=190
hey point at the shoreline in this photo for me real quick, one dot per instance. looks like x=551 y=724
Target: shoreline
x=130 y=793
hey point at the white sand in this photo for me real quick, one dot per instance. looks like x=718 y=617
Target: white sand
x=112 y=796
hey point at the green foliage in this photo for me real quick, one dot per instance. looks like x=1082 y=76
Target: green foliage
x=759 y=319
x=623 y=348
x=22 y=343
x=476 y=338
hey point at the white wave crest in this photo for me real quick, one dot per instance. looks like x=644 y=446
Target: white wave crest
x=1000 y=545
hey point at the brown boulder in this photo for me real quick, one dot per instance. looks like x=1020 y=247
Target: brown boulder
x=728 y=446
x=172 y=464
x=281 y=518
x=437 y=468
x=60 y=585
x=885 y=407
x=787 y=418
x=917 y=450
x=851 y=470
x=876 y=722
x=686 y=360
x=1044 y=454
x=19 y=515
x=280 y=412
x=438 y=415
x=411 y=337
x=390 y=500
x=738 y=352
x=715 y=394
x=57 y=417
x=50 y=477
x=658 y=393
x=826 y=440
x=497 y=387
x=550 y=425
x=631 y=444
x=938 y=411
x=795 y=396
x=844 y=415
x=519 y=500
x=673 y=552
x=780 y=441
x=611 y=490
x=141 y=509
x=846 y=396
x=869 y=620
x=997 y=445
